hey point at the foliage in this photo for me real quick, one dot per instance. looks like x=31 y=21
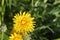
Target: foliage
x=45 y=12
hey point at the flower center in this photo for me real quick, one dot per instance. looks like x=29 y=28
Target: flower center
x=23 y=21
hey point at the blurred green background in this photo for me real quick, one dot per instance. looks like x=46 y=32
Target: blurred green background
x=46 y=13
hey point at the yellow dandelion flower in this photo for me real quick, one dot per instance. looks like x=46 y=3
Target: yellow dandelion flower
x=23 y=23
x=15 y=37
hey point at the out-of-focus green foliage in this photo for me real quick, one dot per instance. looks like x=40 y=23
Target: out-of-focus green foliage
x=46 y=13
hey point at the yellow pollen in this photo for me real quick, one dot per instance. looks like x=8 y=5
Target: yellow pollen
x=23 y=22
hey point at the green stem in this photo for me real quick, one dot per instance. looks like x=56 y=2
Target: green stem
x=44 y=12
x=2 y=35
x=2 y=17
x=10 y=2
x=32 y=3
x=2 y=11
x=50 y=29
x=2 y=2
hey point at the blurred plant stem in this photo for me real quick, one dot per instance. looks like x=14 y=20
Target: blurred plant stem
x=10 y=2
x=44 y=12
x=32 y=4
x=2 y=12
x=2 y=17
x=2 y=36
